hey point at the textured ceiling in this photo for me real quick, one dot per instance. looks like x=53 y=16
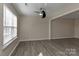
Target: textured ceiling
x=31 y=7
x=52 y=9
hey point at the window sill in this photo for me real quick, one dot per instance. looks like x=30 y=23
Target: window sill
x=7 y=44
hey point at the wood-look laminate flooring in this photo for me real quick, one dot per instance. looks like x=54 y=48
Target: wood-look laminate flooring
x=58 y=47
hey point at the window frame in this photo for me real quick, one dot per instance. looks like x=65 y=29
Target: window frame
x=4 y=18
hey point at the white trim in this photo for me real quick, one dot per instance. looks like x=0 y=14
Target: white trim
x=61 y=38
x=76 y=37
x=14 y=48
x=33 y=39
x=49 y=30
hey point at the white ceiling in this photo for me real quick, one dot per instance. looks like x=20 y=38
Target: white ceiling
x=73 y=15
x=51 y=8
x=31 y=7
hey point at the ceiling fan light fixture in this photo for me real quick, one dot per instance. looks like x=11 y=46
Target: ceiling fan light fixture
x=40 y=14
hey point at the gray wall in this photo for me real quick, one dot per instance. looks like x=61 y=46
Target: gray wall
x=62 y=28
x=33 y=28
x=1 y=27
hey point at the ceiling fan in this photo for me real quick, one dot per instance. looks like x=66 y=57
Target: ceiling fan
x=41 y=12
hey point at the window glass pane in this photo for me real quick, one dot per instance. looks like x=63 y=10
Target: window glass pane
x=7 y=30
x=7 y=34
x=4 y=16
x=14 y=32
x=14 y=23
x=8 y=17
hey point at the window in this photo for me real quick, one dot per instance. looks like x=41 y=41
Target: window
x=10 y=25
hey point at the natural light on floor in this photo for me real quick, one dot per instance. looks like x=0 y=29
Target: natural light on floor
x=40 y=54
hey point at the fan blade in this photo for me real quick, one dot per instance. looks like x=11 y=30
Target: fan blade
x=37 y=12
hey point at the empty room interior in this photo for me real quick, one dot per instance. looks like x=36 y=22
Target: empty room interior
x=39 y=29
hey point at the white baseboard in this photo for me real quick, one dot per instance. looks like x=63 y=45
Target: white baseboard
x=62 y=37
x=44 y=39
x=14 y=49
x=33 y=39
x=76 y=37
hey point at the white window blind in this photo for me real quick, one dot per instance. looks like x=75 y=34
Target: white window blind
x=10 y=25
